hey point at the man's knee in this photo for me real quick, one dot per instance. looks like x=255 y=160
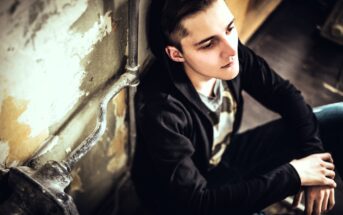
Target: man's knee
x=330 y=118
x=331 y=113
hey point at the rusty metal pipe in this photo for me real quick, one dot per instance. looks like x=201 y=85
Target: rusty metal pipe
x=133 y=34
x=130 y=78
x=132 y=66
x=125 y=80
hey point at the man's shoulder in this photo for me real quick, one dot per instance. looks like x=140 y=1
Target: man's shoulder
x=154 y=81
x=244 y=53
x=154 y=86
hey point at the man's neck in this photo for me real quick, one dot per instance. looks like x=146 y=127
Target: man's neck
x=201 y=83
x=205 y=87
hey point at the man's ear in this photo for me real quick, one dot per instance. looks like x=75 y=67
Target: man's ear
x=174 y=54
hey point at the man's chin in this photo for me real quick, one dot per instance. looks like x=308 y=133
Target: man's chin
x=232 y=74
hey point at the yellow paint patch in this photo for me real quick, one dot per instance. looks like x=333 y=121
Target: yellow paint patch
x=120 y=139
x=76 y=184
x=117 y=145
x=119 y=102
x=116 y=163
x=16 y=134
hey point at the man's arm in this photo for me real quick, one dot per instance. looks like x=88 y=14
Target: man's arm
x=165 y=129
x=279 y=95
x=260 y=81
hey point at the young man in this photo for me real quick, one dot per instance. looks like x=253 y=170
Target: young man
x=189 y=157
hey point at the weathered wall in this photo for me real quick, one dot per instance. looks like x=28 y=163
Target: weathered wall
x=56 y=59
x=52 y=57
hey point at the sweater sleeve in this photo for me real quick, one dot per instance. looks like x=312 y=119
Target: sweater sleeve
x=165 y=128
x=279 y=95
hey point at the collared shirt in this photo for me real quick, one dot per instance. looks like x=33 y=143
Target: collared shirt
x=222 y=112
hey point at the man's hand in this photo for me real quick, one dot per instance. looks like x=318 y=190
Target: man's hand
x=318 y=199
x=297 y=199
x=316 y=170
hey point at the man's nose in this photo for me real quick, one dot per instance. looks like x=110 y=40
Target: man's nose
x=228 y=48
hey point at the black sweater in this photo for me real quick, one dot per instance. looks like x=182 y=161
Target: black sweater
x=175 y=134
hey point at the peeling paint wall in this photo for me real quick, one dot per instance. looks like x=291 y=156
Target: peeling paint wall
x=56 y=59
x=44 y=60
x=15 y=135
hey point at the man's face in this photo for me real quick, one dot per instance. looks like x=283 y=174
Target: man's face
x=210 y=48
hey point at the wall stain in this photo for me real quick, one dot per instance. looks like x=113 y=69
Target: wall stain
x=37 y=18
x=76 y=184
x=121 y=132
x=117 y=163
x=36 y=8
x=116 y=149
x=14 y=7
x=117 y=145
x=16 y=134
x=99 y=59
x=119 y=102
x=87 y=18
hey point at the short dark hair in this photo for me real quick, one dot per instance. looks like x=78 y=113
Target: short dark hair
x=165 y=17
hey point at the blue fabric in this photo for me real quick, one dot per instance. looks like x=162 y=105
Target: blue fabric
x=330 y=118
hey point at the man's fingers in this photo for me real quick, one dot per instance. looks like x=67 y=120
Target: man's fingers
x=317 y=207
x=325 y=202
x=326 y=157
x=318 y=202
x=331 y=199
x=329 y=165
x=330 y=173
x=297 y=199
x=329 y=182
x=309 y=200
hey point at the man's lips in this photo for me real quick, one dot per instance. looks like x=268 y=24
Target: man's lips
x=228 y=65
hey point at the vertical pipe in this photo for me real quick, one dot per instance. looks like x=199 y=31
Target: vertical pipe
x=132 y=66
x=133 y=33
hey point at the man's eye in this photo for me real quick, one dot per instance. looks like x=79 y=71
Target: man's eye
x=207 y=45
x=229 y=29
